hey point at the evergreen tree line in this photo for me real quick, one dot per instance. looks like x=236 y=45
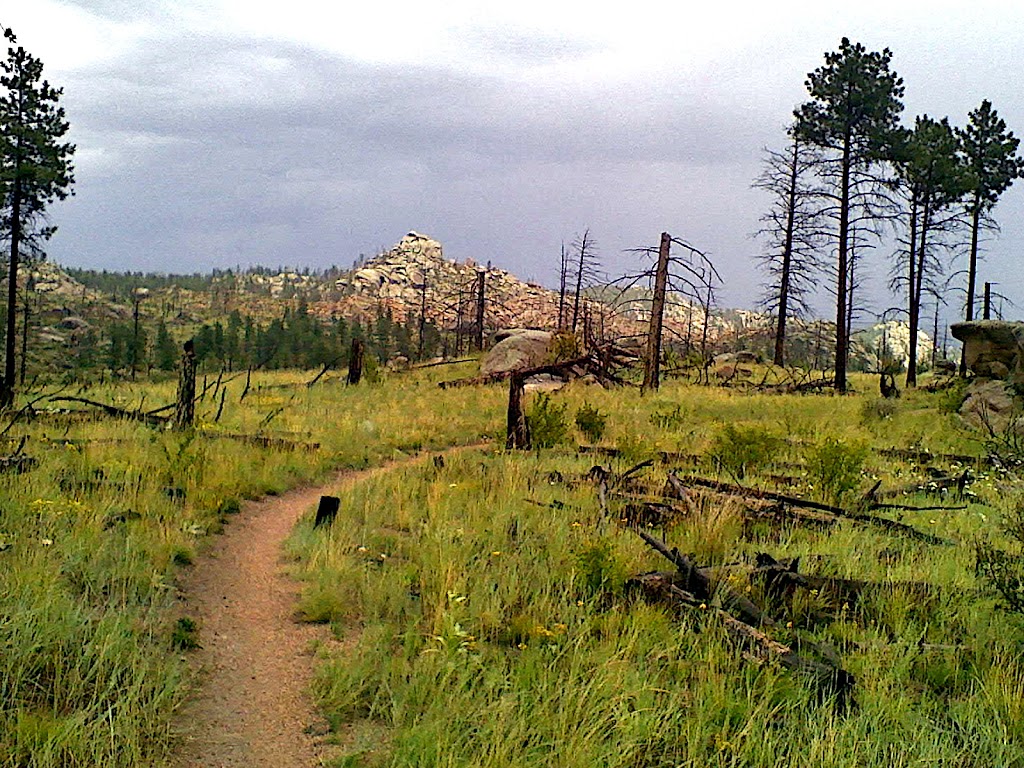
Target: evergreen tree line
x=852 y=177
x=297 y=339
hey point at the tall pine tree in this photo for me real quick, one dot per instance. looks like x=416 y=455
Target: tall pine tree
x=852 y=115
x=35 y=169
x=990 y=155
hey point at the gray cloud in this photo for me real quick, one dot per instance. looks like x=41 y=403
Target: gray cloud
x=210 y=151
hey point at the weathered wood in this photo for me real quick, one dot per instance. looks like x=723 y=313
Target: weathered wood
x=266 y=441
x=115 y=411
x=652 y=360
x=830 y=680
x=327 y=511
x=959 y=482
x=517 y=430
x=927 y=457
x=473 y=381
x=756 y=493
x=697 y=582
x=355 y=362
x=323 y=372
x=185 y=408
x=18 y=464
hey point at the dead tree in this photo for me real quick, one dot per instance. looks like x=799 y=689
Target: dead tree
x=481 y=295
x=355 y=362
x=586 y=271
x=652 y=361
x=688 y=277
x=792 y=232
x=185 y=407
x=517 y=430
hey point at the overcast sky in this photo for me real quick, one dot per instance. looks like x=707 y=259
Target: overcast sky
x=215 y=133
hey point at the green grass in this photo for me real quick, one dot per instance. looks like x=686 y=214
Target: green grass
x=482 y=601
x=90 y=637
x=486 y=622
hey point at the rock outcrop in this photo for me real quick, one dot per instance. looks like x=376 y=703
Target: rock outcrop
x=993 y=349
x=516 y=350
x=990 y=405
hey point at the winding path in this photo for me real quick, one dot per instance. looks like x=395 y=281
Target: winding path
x=252 y=707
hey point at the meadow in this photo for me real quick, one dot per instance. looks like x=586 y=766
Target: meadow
x=481 y=602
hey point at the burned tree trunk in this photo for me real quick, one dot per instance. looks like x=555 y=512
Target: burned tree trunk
x=185 y=407
x=478 y=326
x=517 y=432
x=355 y=362
x=652 y=361
x=327 y=511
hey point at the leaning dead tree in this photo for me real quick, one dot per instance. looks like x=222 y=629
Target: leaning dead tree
x=598 y=362
x=688 y=277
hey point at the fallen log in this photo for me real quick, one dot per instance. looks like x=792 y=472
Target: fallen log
x=959 y=482
x=150 y=418
x=473 y=381
x=265 y=441
x=829 y=680
x=755 y=493
x=927 y=457
x=696 y=582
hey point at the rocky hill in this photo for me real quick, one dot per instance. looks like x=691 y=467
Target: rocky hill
x=411 y=277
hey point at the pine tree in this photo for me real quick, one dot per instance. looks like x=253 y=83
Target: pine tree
x=166 y=352
x=932 y=176
x=35 y=168
x=852 y=116
x=990 y=155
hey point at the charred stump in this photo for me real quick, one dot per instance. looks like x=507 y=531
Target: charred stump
x=327 y=511
x=355 y=362
x=185 y=406
x=517 y=432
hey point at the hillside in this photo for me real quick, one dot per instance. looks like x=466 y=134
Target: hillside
x=83 y=319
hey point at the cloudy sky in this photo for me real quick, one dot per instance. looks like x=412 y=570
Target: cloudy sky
x=215 y=133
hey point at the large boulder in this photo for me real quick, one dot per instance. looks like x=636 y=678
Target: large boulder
x=516 y=350
x=989 y=405
x=993 y=349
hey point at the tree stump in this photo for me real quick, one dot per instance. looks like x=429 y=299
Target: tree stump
x=327 y=511
x=185 y=408
x=355 y=362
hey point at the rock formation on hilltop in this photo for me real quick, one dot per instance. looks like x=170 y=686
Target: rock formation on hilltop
x=416 y=274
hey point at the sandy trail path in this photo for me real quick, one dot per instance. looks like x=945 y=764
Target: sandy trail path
x=253 y=707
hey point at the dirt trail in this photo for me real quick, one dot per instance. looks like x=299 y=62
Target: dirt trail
x=252 y=707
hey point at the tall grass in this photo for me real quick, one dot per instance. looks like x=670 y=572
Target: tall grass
x=92 y=539
x=485 y=622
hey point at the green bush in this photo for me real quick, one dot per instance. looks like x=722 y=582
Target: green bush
x=834 y=468
x=742 y=450
x=877 y=409
x=547 y=421
x=599 y=570
x=591 y=422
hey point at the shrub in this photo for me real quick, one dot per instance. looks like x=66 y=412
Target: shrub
x=1004 y=571
x=670 y=419
x=598 y=567
x=591 y=422
x=739 y=450
x=547 y=422
x=564 y=346
x=834 y=468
